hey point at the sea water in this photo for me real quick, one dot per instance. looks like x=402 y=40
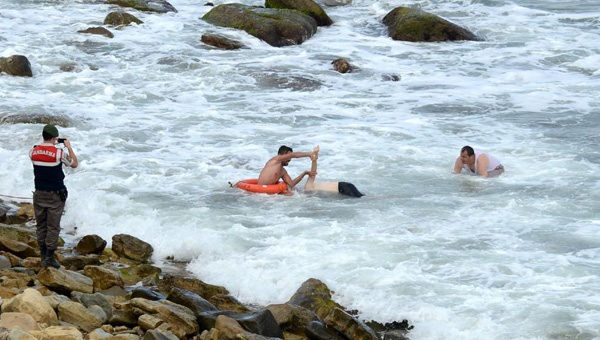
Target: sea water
x=161 y=123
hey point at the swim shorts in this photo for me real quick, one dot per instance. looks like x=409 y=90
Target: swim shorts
x=348 y=189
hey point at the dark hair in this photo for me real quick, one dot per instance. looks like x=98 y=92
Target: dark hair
x=284 y=149
x=468 y=149
x=46 y=135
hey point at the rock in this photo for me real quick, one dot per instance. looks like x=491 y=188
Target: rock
x=124 y=317
x=14 y=260
x=91 y=300
x=156 y=334
x=20 y=278
x=292 y=318
x=159 y=6
x=409 y=24
x=120 y=18
x=23 y=321
x=131 y=247
x=308 y=7
x=76 y=314
x=315 y=296
x=277 y=27
x=220 y=41
x=20 y=249
x=147 y=293
x=318 y=331
x=16 y=65
x=228 y=328
x=390 y=77
x=261 y=322
x=103 y=278
x=191 y=300
x=98 y=31
x=180 y=317
x=349 y=326
x=342 y=65
x=134 y=274
x=79 y=262
x=205 y=290
x=58 y=333
x=65 y=281
x=33 y=118
x=31 y=302
x=91 y=244
x=19 y=334
x=5 y=262
x=148 y=321
x=98 y=334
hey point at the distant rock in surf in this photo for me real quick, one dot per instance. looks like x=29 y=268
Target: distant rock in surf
x=409 y=24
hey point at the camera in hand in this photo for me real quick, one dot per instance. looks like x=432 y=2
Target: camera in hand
x=62 y=140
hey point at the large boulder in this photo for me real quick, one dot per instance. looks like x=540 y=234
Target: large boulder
x=119 y=18
x=16 y=65
x=315 y=296
x=131 y=247
x=158 y=6
x=410 y=24
x=308 y=7
x=65 y=281
x=33 y=303
x=277 y=27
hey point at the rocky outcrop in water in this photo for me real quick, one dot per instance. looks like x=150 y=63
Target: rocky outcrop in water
x=119 y=18
x=409 y=24
x=277 y=27
x=16 y=65
x=308 y=7
x=158 y=6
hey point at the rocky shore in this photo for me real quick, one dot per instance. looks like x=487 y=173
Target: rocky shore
x=117 y=293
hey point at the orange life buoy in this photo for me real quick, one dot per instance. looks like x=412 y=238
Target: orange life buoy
x=252 y=186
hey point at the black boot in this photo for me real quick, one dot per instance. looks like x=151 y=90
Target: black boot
x=43 y=253
x=50 y=260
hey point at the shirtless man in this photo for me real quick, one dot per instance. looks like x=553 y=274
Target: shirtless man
x=343 y=188
x=477 y=163
x=274 y=169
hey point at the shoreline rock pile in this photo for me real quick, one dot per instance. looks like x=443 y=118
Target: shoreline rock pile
x=115 y=293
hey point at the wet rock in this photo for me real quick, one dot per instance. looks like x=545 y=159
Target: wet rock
x=308 y=7
x=315 y=296
x=158 y=6
x=16 y=65
x=349 y=326
x=180 y=317
x=98 y=31
x=119 y=18
x=222 y=42
x=191 y=300
x=342 y=65
x=96 y=299
x=410 y=24
x=147 y=293
x=292 y=318
x=131 y=247
x=91 y=244
x=277 y=27
x=318 y=331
